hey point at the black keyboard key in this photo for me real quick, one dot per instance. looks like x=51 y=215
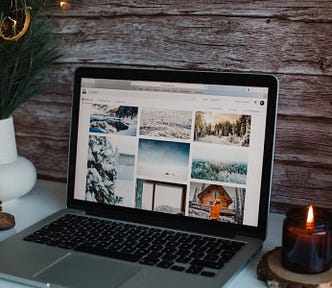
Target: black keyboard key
x=211 y=257
x=109 y=253
x=178 y=268
x=155 y=254
x=142 y=252
x=184 y=252
x=42 y=232
x=169 y=257
x=197 y=255
x=54 y=227
x=117 y=240
x=231 y=247
x=54 y=242
x=128 y=249
x=41 y=240
x=183 y=259
x=67 y=245
x=31 y=237
x=149 y=261
x=169 y=250
x=115 y=247
x=185 y=246
x=227 y=255
x=78 y=240
x=142 y=246
x=165 y=264
x=103 y=245
x=67 y=237
x=194 y=269
x=155 y=248
x=207 y=264
x=199 y=249
x=90 y=243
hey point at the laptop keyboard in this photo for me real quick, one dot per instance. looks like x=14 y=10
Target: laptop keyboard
x=162 y=248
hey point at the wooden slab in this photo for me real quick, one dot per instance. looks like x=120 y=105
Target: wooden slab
x=7 y=221
x=271 y=271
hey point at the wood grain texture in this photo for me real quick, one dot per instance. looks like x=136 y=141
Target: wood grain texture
x=292 y=40
x=271 y=271
x=201 y=42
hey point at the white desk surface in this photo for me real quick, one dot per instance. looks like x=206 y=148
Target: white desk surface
x=48 y=197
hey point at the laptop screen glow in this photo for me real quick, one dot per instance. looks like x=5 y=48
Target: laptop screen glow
x=190 y=149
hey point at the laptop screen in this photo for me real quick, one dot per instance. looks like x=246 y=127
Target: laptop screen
x=194 y=149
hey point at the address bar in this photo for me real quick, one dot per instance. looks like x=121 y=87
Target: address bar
x=169 y=85
x=104 y=94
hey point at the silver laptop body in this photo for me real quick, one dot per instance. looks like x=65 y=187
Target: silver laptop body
x=188 y=153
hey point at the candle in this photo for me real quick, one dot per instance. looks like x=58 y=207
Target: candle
x=307 y=240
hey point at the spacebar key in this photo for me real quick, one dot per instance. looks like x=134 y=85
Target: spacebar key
x=109 y=253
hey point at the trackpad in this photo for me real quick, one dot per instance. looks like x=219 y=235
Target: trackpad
x=82 y=271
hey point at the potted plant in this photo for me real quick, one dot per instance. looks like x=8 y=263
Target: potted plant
x=27 y=49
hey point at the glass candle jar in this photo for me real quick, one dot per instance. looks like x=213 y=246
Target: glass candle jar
x=307 y=246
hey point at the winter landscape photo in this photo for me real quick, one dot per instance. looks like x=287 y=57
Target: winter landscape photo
x=106 y=119
x=216 y=202
x=160 y=196
x=110 y=170
x=163 y=160
x=165 y=123
x=210 y=162
x=220 y=128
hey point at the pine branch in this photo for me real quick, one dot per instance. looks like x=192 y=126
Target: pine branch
x=24 y=63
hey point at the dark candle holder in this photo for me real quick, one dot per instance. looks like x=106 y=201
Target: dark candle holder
x=307 y=247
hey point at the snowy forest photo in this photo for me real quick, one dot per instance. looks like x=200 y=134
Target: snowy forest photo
x=101 y=172
x=219 y=165
x=227 y=129
x=203 y=196
x=166 y=123
x=232 y=172
x=121 y=120
x=110 y=170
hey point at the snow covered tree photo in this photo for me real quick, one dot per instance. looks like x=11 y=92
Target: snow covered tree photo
x=101 y=171
x=233 y=172
x=226 y=129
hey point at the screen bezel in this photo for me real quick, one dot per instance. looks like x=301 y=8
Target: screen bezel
x=169 y=220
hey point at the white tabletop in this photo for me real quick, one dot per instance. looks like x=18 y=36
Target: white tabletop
x=48 y=197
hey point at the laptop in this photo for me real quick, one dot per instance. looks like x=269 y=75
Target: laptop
x=169 y=182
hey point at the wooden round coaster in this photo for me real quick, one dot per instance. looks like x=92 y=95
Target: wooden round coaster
x=7 y=221
x=271 y=271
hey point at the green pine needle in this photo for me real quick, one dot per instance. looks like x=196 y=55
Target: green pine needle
x=24 y=63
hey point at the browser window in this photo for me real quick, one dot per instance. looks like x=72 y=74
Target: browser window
x=189 y=149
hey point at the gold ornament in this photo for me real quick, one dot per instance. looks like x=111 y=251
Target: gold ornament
x=15 y=25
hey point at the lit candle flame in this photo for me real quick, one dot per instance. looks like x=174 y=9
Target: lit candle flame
x=310 y=217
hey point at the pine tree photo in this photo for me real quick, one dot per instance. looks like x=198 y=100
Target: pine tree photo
x=101 y=172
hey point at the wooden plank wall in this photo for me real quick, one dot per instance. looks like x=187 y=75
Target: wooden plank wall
x=291 y=39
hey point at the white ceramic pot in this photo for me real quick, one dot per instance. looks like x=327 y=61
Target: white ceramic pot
x=17 y=174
